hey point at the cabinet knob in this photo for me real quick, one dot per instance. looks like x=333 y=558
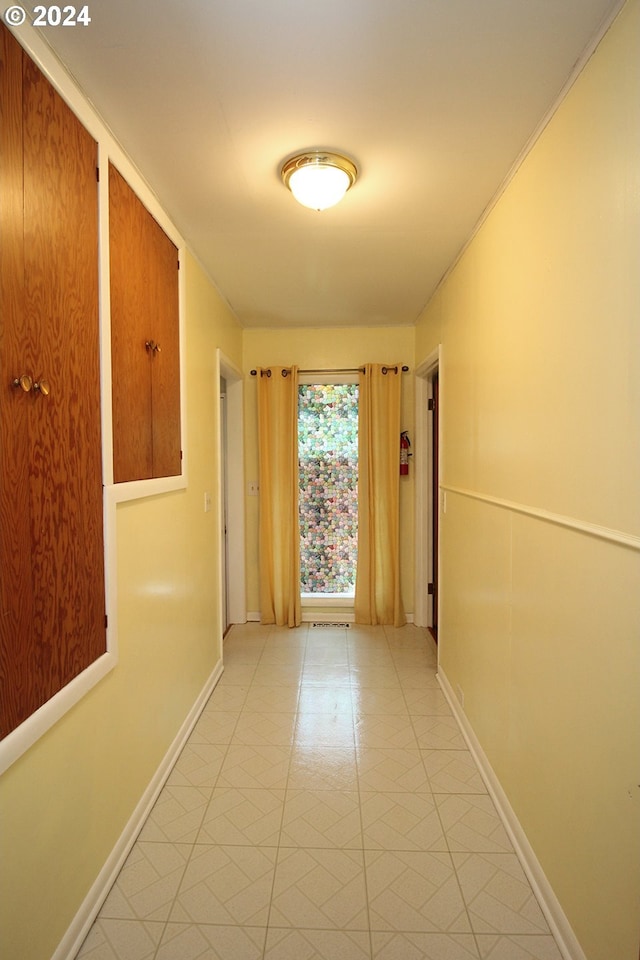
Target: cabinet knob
x=152 y=346
x=43 y=387
x=24 y=382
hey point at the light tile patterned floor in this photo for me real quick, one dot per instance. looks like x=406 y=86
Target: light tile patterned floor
x=326 y=807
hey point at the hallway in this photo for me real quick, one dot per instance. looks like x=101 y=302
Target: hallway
x=325 y=807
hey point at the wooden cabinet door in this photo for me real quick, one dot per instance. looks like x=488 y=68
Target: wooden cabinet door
x=61 y=306
x=165 y=368
x=51 y=332
x=16 y=588
x=130 y=329
x=145 y=349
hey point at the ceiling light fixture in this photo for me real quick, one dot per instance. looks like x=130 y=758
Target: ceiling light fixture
x=318 y=179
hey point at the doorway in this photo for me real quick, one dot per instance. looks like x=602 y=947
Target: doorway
x=224 y=509
x=433 y=408
x=428 y=467
x=230 y=485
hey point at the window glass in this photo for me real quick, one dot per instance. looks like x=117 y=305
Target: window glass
x=328 y=464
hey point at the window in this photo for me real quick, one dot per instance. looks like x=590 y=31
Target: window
x=328 y=469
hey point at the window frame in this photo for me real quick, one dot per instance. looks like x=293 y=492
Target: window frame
x=328 y=599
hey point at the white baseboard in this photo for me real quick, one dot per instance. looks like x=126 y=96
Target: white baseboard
x=549 y=903
x=83 y=920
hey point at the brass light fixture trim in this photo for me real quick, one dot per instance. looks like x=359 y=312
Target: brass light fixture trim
x=319 y=161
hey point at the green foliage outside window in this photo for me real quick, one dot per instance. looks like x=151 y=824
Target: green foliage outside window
x=328 y=465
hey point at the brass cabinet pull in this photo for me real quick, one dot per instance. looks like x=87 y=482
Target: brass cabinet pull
x=151 y=346
x=25 y=382
x=43 y=387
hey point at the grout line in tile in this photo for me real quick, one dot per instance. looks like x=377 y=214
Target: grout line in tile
x=354 y=682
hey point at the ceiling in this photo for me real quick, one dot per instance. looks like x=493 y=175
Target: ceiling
x=433 y=99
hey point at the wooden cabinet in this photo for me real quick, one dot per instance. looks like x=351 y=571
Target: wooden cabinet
x=52 y=603
x=145 y=344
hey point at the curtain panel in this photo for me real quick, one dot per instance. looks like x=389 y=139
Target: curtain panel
x=279 y=528
x=377 y=597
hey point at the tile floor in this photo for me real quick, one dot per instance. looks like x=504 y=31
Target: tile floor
x=325 y=807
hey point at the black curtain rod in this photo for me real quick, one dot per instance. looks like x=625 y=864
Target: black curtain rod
x=254 y=373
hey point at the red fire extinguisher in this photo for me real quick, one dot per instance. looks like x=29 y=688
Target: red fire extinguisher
x=404 y=453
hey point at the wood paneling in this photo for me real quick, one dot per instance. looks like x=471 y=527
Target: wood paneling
x=51 y=493
x=131 y=273
x=16 y=594
x=165 y=382
x=144 y=308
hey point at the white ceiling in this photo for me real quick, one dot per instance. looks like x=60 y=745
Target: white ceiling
x=433 y=99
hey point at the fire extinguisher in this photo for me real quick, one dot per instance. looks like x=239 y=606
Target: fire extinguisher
x=405 y=443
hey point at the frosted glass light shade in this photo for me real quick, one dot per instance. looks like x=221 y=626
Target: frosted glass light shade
x=319 y=180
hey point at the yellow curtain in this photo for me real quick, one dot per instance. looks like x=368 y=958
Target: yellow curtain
x=377 y=598
x=279 y=524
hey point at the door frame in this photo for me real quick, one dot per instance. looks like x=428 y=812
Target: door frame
x=231 y=457
x=425 y=522
x=224 y=521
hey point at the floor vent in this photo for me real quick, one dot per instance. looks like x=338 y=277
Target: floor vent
x=336 y=626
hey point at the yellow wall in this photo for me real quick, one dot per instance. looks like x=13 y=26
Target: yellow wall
x=67 y=800
x=540 y=623
x=327 y=348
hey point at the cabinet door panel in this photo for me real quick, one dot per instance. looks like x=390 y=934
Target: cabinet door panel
x=131 y=326
x=144 y=309
x=61 y=307
x=16 y=595
x=165 y=377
